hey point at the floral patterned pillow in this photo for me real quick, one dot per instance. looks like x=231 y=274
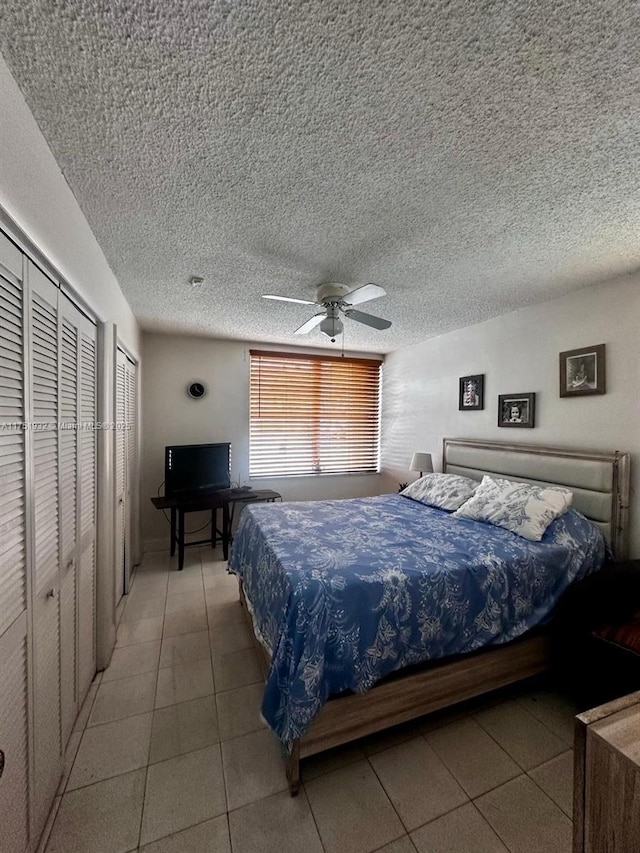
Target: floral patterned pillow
x=444 y=491
x=522 y=508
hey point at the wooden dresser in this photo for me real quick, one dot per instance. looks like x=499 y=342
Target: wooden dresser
x=606 y=805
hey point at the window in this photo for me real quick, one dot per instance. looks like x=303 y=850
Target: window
x=313 y=414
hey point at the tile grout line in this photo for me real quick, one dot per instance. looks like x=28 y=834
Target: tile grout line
x=63 y=791
x=505 y=750
x=542 y=722
x=514 y=759
x=215 y=701
x=569 y=817
x=146 y=769
x=178 y=831
x=386 y=793
x=313 y=817
x=470 y=799
x=43 y=842
x=504 y=782
x=115 y=775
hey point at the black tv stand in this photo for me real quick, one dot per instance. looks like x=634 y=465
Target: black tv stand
x=224 y=499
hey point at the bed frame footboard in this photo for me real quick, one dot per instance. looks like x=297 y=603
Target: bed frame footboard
x=408 y=696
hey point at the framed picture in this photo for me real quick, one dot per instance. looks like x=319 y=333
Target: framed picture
x=516 y=410
x=582 y=371
x=471 y=392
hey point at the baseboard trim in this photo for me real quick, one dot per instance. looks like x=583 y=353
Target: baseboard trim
x=155 y=545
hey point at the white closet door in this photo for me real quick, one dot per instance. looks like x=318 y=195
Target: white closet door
x=87 y=506
x=43 y=383
x=14 y=782
x=131 y=463
x=121 y=473
x=13 y=583
x=14 y=794
x=68 y=448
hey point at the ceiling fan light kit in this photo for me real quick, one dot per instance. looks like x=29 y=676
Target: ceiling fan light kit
x=331 y=325
x=335 y=299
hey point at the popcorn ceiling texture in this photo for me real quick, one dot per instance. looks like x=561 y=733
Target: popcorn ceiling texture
x=471 y=157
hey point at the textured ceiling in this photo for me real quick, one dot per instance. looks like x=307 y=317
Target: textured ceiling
x=470 y=157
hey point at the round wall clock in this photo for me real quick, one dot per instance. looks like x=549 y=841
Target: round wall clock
x=196 y=390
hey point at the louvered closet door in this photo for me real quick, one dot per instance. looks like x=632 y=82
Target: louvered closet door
x=44 y=386
x=13 y=593
x=131 y=407
x=121 y=472
x=14 y=794
x=13 y=573
x=87 y=505
x=68 y=447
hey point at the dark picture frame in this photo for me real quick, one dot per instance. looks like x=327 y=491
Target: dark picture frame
x=582 y=371
x=471 y=393
x=517 y=410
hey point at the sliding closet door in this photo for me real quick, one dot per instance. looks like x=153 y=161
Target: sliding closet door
x=44 y=387
x=87 y=505
x=14 y=794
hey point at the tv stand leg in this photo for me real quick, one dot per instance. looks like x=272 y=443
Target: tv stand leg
x=180 y=540
x=226 y=530
x=173 y=530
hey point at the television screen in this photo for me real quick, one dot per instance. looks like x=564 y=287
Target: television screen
x=191 y=469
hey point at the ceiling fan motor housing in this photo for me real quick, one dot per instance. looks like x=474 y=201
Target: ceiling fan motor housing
x=332 y=291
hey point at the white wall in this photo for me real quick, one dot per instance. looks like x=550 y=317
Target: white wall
x=34 y=192
x=518 y=353
x=170 y=417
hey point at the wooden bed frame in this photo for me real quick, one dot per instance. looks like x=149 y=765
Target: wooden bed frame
x=600 y=483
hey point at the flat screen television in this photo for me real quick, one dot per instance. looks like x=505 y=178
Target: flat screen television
x=192 y=469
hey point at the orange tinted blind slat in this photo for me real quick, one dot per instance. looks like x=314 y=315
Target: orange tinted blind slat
x=313 y=415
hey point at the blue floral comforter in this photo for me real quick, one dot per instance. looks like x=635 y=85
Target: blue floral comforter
x=343 y=592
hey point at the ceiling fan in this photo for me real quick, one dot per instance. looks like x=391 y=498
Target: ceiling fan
x=336 y=299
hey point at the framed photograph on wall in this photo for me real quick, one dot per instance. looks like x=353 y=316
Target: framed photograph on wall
x=582 y=371
x=471 y=392
x=516 y=410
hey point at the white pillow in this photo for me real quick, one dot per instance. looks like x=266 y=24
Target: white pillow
x=522 y=508
x=444 y=491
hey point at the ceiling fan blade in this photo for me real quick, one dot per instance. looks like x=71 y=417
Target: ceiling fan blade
x=364 y=294
x=288 y=299
x=310 y=324
x=368 y=319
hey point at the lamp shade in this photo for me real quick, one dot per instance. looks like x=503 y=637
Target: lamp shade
x=421 y=462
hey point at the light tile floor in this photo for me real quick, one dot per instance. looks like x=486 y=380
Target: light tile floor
x=169 y=754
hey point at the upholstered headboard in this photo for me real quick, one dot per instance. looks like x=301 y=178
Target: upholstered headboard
x=599 y=481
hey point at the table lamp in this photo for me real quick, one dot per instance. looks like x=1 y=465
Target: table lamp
x=422 y=463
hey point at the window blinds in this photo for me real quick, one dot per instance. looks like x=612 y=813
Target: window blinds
x=313 y=414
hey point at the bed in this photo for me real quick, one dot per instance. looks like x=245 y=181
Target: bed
x=431 y=609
